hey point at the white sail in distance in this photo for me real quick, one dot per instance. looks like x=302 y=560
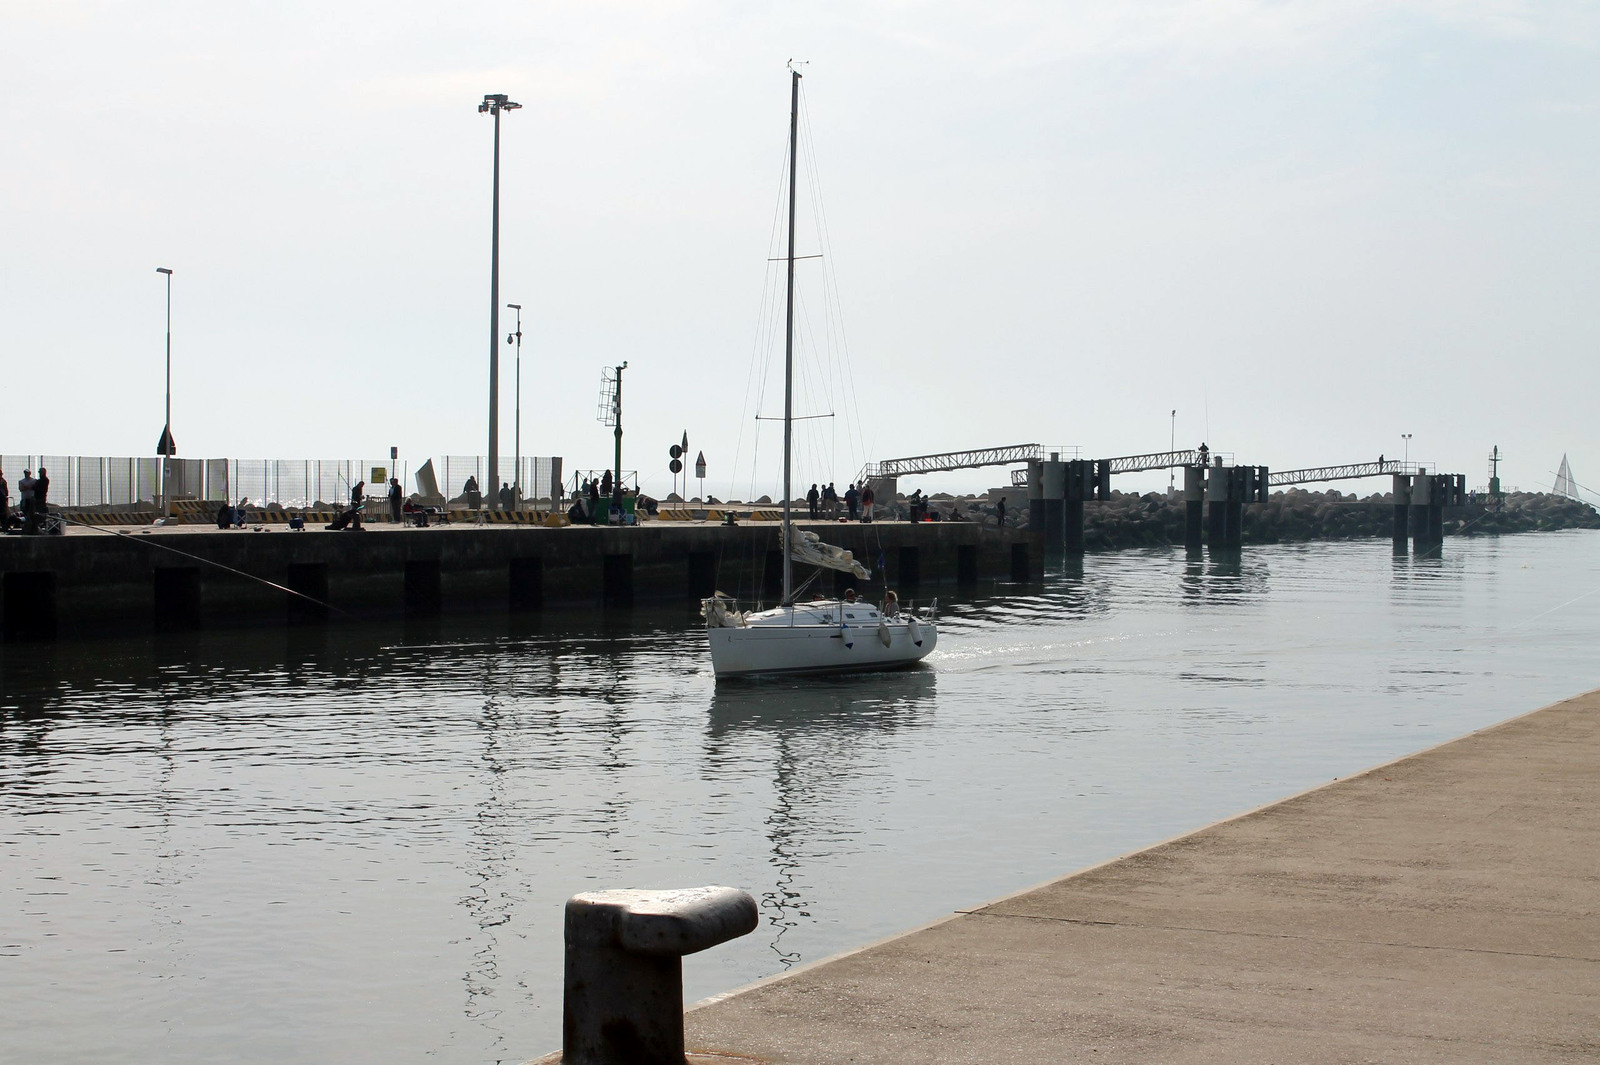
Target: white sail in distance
x=1564 y=485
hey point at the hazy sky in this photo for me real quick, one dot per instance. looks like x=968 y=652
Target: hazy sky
x=1308 y=227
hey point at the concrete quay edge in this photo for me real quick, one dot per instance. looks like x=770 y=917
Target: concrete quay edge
x=1386 y=961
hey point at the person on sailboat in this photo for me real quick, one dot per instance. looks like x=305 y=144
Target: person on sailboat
x=891 y=604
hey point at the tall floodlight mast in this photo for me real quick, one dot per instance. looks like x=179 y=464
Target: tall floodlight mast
x=495 y=103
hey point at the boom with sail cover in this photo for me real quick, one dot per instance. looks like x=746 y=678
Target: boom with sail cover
x=805 y=546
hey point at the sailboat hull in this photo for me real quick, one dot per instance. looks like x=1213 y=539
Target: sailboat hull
x=774 y=646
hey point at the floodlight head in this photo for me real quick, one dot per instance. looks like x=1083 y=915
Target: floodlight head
x=163 y=270
x=515 y=306
x=496 y=102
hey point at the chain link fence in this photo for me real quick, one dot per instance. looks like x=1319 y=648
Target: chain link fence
x=535 y=481
x=89 y=481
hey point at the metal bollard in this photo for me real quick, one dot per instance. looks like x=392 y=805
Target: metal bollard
x=624 y=972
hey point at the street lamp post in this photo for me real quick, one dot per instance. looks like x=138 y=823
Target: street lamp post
x=516 y=483
x=1407 y=438
x=1172 y=445
x=165 y=448
x=494 y=103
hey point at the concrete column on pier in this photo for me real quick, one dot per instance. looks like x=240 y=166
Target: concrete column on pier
x=1102 y=480
x=1054 y=479
x=1194 y=506
x=1422 y=494
x=1402 y=511
x=1240 y=488
x=1224 y=499
x=1079 y=486
x=1035 y=494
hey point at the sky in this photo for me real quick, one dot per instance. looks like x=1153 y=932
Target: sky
x=1308 y=228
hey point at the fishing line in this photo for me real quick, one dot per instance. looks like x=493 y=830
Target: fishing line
x=206 y=561
x=1559 y=606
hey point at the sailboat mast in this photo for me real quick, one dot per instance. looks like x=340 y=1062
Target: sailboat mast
x=788 y=341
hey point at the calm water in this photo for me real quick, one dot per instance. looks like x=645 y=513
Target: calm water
x=355 y=845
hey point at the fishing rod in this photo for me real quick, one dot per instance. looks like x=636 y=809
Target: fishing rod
x=206 y=561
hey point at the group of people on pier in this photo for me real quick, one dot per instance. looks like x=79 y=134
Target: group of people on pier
x=824 y=502
x=33 y=503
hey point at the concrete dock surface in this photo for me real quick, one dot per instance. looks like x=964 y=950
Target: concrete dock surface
x=1441 y=908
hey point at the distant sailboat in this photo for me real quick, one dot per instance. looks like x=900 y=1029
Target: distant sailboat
x=1565 y=485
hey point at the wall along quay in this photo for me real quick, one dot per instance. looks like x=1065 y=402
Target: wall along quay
x=94 y=582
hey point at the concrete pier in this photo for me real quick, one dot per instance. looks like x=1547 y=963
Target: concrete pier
x=93 y=582
x=1440 y=908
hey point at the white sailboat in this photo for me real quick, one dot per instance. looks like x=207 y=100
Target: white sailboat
x=820 y=635
x=1565 y=485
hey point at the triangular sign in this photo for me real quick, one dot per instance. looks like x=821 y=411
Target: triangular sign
x=700 y=465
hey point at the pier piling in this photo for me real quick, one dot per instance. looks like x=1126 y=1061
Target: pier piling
x=1194 y=505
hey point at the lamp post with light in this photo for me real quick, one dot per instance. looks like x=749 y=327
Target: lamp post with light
x=166 y=447
x=1407 y=438
x=494 y=103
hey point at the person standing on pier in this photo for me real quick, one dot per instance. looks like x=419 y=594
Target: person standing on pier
x=1000 y=511
x=851 y=498
x=507 y=498
x=396 y=499
x=25 y=500
x=358 y=499
x=867 y=497
x=830 y=499
x=41 y=492
x=812 y=499
x=5 y=503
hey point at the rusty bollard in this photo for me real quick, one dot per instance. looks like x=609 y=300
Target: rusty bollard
x=624 y=974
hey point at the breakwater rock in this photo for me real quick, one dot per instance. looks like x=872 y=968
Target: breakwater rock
x=1131 y=520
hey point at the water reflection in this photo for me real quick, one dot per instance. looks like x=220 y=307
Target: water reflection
x=1223 y=576
x=816 y=731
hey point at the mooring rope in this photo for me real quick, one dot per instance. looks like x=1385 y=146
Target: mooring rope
x=206 y=561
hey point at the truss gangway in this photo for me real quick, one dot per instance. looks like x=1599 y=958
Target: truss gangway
x=1351 y=472
x=961 y=460
x=1156 y=460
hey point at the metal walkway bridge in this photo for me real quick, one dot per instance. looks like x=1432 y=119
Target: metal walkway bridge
x=1156 y=460
x=958 y=460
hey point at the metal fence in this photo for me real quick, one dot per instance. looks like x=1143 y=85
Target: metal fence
x=536 y=476
x=88 y=481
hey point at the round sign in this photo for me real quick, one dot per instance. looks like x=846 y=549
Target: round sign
x=675 y=466
x=675 y=451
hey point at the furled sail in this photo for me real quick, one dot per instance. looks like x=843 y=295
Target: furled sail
x=1564 y=485
x=807 y=547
